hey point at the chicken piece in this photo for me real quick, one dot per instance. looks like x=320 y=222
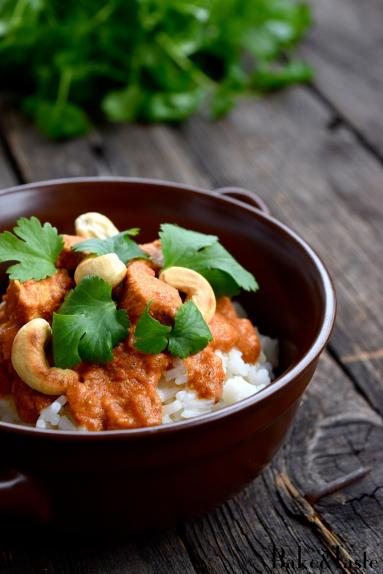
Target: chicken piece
x=226 y=308
x=5 y=381
x=85 y=397
x=224 y=333
x=205 y=374
x=154 y=251
x=28 y=402
x=3 y=312
x=69 y=259
x=121 y=394
x=246 y=340
x=32 y=299
x=24 y=302
x=142 y=286
x=8 y=332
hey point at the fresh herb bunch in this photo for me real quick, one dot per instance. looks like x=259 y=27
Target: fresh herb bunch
x=149 y=60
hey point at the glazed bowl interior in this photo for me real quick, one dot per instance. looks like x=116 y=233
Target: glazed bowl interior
x=292 y=302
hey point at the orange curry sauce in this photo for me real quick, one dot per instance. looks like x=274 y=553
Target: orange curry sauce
x=122 y=393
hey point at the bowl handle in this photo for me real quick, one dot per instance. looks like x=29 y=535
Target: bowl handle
x=245 y=196
x=21 y=495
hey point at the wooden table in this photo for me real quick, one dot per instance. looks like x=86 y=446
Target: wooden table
x=315 y=154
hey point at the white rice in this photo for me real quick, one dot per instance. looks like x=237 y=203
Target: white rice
x=56 y=416
x=179 y=401
x=241 y=381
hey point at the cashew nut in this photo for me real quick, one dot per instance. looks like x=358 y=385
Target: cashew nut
x=30 y=362
x=94 y=225
x=109 y=267
x=197 y=288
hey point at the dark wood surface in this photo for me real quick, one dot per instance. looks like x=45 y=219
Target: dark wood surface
x=315 y=154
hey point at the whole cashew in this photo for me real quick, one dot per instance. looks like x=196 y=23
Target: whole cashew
x=109 y=267
x=94 y=225
x=30 y=362
x=197 y=288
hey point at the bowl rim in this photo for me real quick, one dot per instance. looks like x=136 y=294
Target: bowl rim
x=324 y=331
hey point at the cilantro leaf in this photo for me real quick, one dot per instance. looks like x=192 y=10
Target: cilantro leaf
x=205 y=254
x=151 y=336
x=190 y=333
x=88 y=325
x=217 y=257
x=120 y=244
x=178 y=243
x=35 y=246
x=144 y=60
x=222 y=282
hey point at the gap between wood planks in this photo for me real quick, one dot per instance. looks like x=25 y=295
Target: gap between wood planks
x=340 y=119
x=339 y=361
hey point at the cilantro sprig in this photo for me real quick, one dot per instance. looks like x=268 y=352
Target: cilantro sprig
x=35 y=247
x=88 y=325
x=205 y=254
x=121 y=244
x=145 y=60
x=189 y=334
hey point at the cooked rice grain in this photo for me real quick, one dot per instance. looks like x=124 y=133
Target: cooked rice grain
x=179 y=402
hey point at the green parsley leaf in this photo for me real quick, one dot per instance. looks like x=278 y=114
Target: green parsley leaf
x=222 y=283
x=216 y=257
x=151 y=336
x=121 y=244
x=35 y=246
x=178 y=243
x=205 y=254
x=268 y=77
x=190 y=333
x=88 y=325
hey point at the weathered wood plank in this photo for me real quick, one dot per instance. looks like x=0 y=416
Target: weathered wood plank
x=327 y=187
x=153 y=152
x=345 y=48
x=335 y=432
x=152 y=554
x=7 y=177
x=38 y=158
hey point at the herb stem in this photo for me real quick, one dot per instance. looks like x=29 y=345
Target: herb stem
x=184 y=63
x=18 y=12
x=64 y=87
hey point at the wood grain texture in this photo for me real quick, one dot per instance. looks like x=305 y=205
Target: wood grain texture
x=38 y=158
x=335 y=432
x=327 y=187
x=7 y=177
x=153 y=152
x=345 y=47
x=153 y=554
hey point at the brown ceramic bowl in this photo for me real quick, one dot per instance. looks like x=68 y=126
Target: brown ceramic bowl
x=155 y=476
